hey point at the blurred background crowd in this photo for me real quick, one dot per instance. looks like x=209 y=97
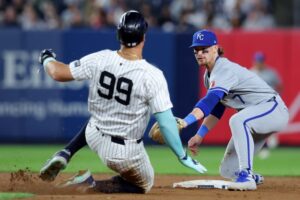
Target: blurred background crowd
x=167 y=15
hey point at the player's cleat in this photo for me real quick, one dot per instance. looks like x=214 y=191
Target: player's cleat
x=259 y=179
x=244 y=181
x=83 y=177
x=54 y=165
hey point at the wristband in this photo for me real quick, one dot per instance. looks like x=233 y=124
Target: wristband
x=49 y=59
x=203 y=130
x=190 y=119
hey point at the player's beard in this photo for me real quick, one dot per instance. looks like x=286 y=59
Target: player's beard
x=205 y=64
x=202 y=62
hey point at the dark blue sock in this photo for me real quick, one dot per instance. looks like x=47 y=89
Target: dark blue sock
x=77 y=142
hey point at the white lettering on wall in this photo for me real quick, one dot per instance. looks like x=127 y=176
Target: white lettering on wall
x=21 y=70
x=41 y=110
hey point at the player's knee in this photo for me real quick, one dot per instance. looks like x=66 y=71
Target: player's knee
x=150 y=182
x=222 y=171
x=226 y=171
x=228 y=165
x=148 y=188
x=147 y=181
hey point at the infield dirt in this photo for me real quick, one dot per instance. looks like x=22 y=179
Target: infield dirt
x=283 y=188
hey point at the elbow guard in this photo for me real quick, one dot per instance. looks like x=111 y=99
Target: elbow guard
x=208 y=103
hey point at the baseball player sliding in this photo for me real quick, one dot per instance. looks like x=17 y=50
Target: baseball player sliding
x=124 y=89
x=261 y=110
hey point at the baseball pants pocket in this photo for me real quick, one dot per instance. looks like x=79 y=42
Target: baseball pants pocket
x=92 y=136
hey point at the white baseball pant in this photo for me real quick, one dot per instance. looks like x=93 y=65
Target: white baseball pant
x=126 y=157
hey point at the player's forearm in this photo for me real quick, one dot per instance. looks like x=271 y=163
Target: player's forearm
x=210 y=121
x=198 y=113
x=194 y=116
x=169 y=130
x=58 y=71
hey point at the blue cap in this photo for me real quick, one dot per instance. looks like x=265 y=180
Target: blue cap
x=259 y=56
x=204 y=38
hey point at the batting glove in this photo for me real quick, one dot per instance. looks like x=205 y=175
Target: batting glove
x=191 y=163
x=46 y=55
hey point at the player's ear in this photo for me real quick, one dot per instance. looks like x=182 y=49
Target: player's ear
x=215 y=48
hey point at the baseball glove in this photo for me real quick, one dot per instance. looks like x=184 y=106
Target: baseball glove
x=156 y=135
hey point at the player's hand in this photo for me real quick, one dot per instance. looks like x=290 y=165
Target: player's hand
x=193 y=164
x=46 y=53
x=194 y=143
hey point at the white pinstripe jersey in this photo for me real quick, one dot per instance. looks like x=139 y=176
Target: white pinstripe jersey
x=122 y=93
x=243 y=87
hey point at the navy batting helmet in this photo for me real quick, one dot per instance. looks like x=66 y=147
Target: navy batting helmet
x=131 y=28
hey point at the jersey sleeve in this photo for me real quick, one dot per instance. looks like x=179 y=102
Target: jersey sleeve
x=223 y=80
x=83 y=69
x=157 y=93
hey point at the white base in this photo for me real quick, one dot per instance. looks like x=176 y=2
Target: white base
x=203 y=184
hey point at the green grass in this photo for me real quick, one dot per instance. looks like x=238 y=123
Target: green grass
x=282 y=161
x=5 y=195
